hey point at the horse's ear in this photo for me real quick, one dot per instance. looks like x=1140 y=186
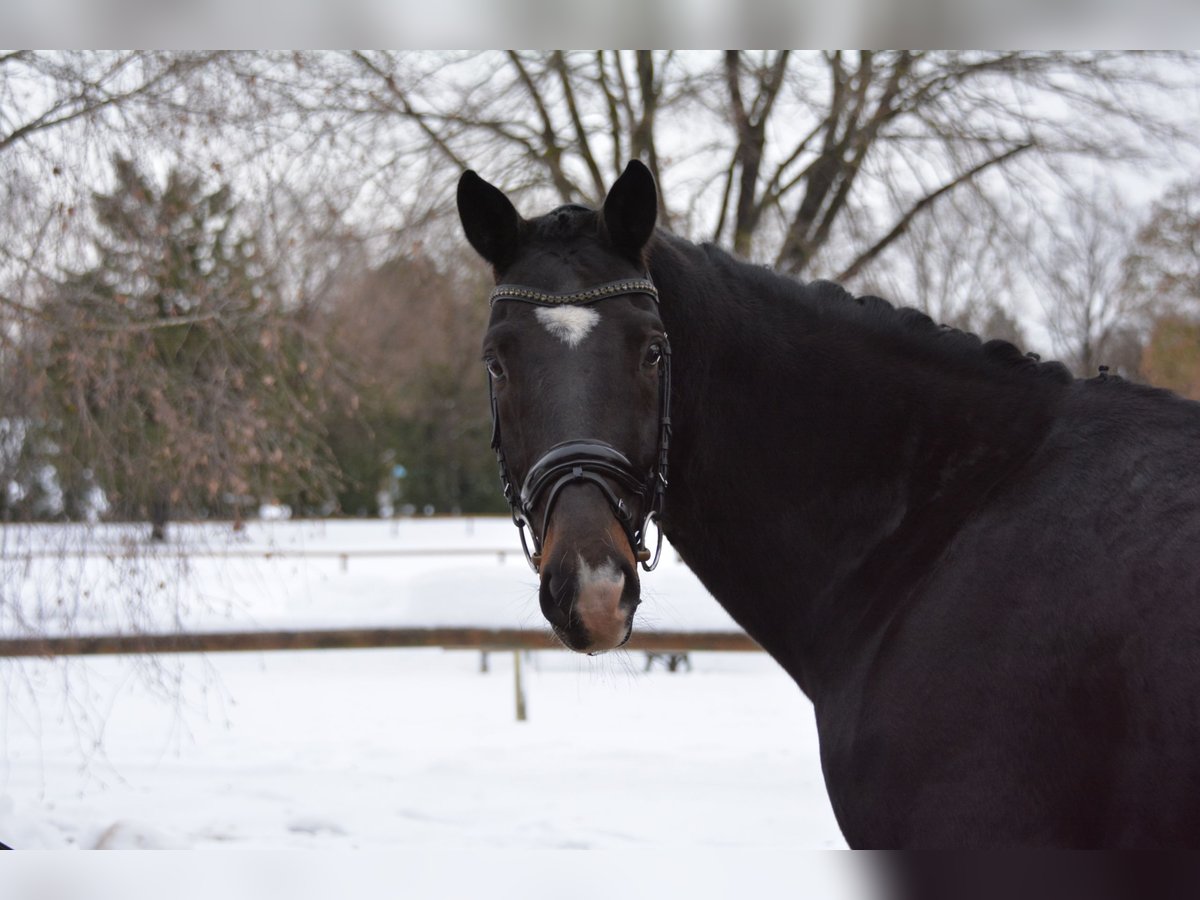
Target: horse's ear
x=630 y=210
x=489 y=219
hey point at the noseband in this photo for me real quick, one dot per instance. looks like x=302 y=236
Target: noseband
x=593 y=461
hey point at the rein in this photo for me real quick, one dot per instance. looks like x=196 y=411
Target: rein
x=591 y=460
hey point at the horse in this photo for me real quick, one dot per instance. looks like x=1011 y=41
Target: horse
x=983 y=572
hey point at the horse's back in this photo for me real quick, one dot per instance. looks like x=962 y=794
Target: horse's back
x=1041 y=685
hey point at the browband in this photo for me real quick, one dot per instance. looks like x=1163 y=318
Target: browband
x=600 y=292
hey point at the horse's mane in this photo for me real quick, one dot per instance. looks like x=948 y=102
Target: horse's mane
x=881 y=316
x=571 y=220
x=880 y=313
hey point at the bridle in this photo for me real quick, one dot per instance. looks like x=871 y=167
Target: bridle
x=590 y=460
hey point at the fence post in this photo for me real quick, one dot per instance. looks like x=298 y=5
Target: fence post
x=520 y=688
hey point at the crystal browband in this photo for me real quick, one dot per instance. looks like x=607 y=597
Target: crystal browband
x=600 y=292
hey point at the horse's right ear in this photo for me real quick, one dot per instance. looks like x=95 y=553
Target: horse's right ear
x=489 y=219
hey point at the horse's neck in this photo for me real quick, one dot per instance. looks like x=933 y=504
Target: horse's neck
x=815 y=477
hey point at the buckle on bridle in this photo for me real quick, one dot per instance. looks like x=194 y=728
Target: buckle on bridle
x=643 y=552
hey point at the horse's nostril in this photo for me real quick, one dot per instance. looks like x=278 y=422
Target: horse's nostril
x=557 y=586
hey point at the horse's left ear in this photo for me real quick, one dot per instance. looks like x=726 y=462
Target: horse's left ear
x=630 y=210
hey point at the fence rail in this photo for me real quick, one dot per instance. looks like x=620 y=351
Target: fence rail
x=500 y=554
x=354 y=638
x=119 y=552
x=486 y=640
x=343 y=556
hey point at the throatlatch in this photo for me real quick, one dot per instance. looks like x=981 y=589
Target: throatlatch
x=589 y=460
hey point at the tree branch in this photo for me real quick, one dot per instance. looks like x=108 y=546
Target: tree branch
x=91 y=99
x=558 y=62
x=614 y=114
x=905 y=220
x=642 y=141
x=552 y=152
x=389 y=82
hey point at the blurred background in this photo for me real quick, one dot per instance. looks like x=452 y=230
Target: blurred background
x=236 y=278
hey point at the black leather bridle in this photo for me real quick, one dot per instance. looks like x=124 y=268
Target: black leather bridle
x=590 y=460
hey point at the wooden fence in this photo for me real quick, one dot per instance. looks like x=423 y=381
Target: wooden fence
x=342 y=556
x=483 y=639
x=351 y=638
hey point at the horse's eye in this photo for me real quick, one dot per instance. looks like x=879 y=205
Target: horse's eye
x=494 y=368
x=654 y=355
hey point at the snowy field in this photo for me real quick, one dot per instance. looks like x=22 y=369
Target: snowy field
x=84 y=581
x=409 y=750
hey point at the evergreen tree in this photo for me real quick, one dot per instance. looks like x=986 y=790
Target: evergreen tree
x=173 y=374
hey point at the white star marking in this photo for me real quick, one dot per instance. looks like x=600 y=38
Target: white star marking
x=569 y=324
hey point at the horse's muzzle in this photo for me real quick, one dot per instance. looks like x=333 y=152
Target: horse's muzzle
x=590 y=608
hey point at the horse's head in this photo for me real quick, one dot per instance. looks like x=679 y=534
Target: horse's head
x=578 y=362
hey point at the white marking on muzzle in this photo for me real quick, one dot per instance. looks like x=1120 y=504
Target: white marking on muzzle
x=598 y=603
x=570 y=324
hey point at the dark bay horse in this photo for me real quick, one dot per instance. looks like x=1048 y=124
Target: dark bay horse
x=984 y=573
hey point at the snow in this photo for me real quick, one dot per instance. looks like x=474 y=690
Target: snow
x=307 y=584
x=412 y=750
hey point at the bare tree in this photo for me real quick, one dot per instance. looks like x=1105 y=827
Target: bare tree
x=1163 y=267
x=1093 y=317
x=963 y=267
x=62 y=115
x=788 y=155
x=890 y=136
x=1164 y=261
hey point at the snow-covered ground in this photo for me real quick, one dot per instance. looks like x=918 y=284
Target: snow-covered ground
x=86 y=580
x=410 y=750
